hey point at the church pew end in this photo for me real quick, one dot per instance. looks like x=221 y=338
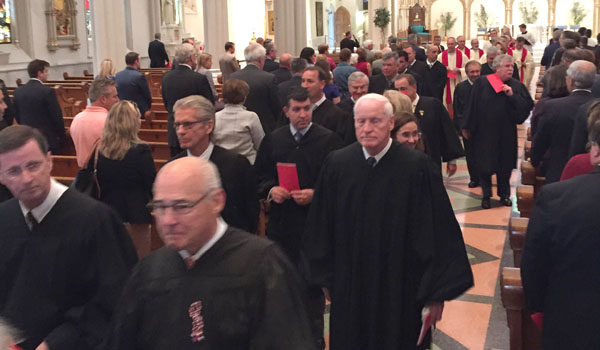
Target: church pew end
x=527 y=149
x=525 y=200
x=528 y=171
x=529 y=134
x=517 y=227
x=524 y=335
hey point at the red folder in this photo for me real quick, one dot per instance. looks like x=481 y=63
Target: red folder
x=451 y=74
x=495 y=81
x=288 y=176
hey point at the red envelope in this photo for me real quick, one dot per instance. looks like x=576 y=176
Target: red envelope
x=451 y=74
x=288 y=176
x=495 y=81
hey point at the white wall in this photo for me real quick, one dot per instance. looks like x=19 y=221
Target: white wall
x=494 y=9
x=563 y=12
x=541 y=6
x=443 y=6
x=245 y=17
x=141 y=28
x=194 y=22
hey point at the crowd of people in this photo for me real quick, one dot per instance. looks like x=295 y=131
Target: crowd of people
x=345 y=158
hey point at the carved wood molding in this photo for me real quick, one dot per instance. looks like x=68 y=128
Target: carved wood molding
x=62 y=25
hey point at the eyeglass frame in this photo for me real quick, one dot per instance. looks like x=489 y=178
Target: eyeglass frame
x=152 y=206
x=189 y=125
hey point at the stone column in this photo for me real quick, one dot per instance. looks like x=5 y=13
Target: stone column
x=108 y=36
x=508 y=11
x=375 y=31
x=290 y=26
x=466 y=19
x=216 y=28
x=551 y=13
x=596 y=28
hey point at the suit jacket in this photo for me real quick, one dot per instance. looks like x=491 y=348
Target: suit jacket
x=228 y=64
x=158 y=54
x=579 y=138
x=419 y=53
x=436 y=78
x=36 y=105
x=548 y=53
x=281 y=75
x=238 y=179
x=554 y=134
x=378 y=84
x=346 y=128
x=349 y=44
x=441 y=140
x=133 y=86
x=460 y=102
x=262 y=99
x=287 y=86
x=270 y=65
x=560 y=267
x=179 y=83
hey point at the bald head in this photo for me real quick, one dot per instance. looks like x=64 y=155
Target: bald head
x=198 y=172
x=285 y=60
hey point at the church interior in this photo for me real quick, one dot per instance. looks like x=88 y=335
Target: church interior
x=75 y=36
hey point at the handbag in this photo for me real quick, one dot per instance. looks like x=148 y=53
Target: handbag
x=86 y=180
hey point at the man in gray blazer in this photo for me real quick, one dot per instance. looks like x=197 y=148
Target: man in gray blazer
x=228 y=64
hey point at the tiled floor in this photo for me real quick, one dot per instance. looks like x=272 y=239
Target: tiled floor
x=477 y=320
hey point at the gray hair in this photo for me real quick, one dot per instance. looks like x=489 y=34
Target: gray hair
x=583 y=74
x=184 y=52
x=501 y=58
x=270 y=47
x=157 y=35
x=98 y=88
x=205 y=110
x=298 y=65
x=356 y=76
x=366 y=44
x=386 y=56
x=492 y=50
x=413 y=38
x=254 y=52
x=388 y=109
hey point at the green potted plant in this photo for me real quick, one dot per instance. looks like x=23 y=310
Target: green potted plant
x=577 y=14
x=448 y=22
x=381 y=20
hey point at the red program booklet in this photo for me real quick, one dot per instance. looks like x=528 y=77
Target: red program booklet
x=452 y=75
x=288 y=176
x=495 y=81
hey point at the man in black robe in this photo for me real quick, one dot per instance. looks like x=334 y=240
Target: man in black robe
x=306 y=145
x=488 y=67
x=358 y=85
x=440 y=136
x=212 y=286
x=194 y=122
x=561 y=266
x=324 y=112
x=382 y=238
x=462 y=92
x=64 y=257
x=436 y=74
x=490 y=124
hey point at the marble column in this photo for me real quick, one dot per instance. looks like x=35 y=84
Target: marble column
x=290 y=26
x=376 y=35
x=508 y=11
x=467 y=19
x=108 y=36
x=596 y=26
x=216 y=28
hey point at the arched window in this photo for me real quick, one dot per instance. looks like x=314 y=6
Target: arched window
x=6 y=19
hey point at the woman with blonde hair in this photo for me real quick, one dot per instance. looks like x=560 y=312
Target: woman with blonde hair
x=400 y=102
x=203 y=67
x=107 y=70
x=126 y=172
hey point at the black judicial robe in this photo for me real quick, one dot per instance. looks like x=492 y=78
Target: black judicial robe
x=441 y=139
x=287 y=220
x=436 y=78
x=346 y=128
x=249 y=293
x=491 y=118
x=61 y=281
x=327 y=115
x=385 y=241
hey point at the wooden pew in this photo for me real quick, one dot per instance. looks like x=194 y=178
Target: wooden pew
x=154 y=135
x=67 y=77
x=524 y=335
x=66 y=166
x=160 y=150
x=517 y=228
x=69 y=106
x=86 y=73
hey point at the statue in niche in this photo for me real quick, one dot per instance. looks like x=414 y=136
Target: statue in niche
x=168 y=12
x=62 y=17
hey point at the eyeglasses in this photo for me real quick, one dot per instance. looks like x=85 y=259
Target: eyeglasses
x=187 y=125
x=179 y=207
x=33 y=167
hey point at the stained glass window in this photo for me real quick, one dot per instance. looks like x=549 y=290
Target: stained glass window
x=6 y=16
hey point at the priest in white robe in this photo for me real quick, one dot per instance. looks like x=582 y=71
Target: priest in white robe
x=455 y=62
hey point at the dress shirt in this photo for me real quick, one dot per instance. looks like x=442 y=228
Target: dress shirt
x=85 y=129
x=588 y=90
x=303 y=132
x=206 y=154
x=39 y=213
x=430 y=64
x=319 y=102
x=221 y=228
x=238 y=130
x=379 y=155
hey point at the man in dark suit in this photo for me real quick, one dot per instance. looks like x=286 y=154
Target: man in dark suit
x=441 y=139
x=385 y=81
x=413 y=40
x=194 y=121
x=435 y=74
x=579 y=138
x=132 y=85
x=417 y=68
x=437 y=41
x=556 y=126
x=348 y=43
x=283 y=72
x=550 y=49
x=262 y=99
x=6 y=113
x=462 y=92
x=358 y=84
x=36 y=105
x=560 y=267
x=298 y=66
x=182 y=82
x=305 y=144
x=270 y=56
x=324 y=112
x=158 y=55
